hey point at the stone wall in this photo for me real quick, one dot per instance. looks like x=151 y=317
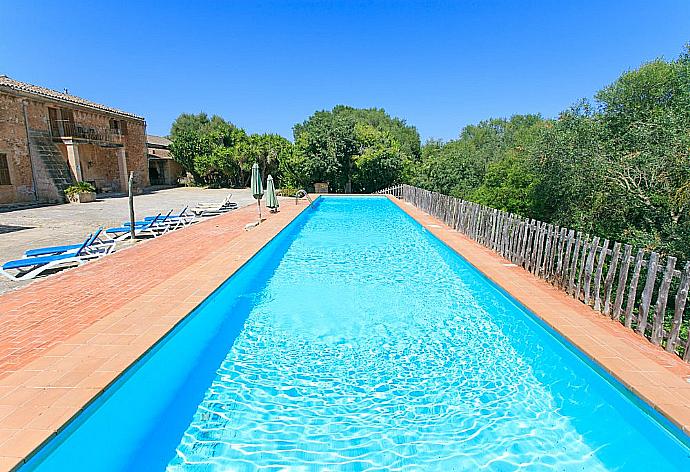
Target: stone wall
x=98 y=164
x=175 y=171
x=137 y=154
x=14 y=144
x=104 y=169
x=37 y=112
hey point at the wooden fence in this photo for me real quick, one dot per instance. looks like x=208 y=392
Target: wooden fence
x=643 y=290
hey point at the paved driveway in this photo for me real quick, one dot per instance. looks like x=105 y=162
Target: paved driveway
x=71 y=223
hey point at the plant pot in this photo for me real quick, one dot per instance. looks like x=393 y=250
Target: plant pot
x=82 y=197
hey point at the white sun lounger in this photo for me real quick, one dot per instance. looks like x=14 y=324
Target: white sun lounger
x=155 y=227
x=94 y=245
x=225 y=206
x=30 y=267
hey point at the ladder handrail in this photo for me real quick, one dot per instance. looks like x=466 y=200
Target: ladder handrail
x=303 y=193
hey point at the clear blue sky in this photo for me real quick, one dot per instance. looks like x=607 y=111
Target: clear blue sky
x=268 y=65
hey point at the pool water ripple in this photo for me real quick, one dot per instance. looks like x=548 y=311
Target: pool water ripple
x=372 y=347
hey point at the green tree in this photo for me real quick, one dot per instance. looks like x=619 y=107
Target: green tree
x=199 y=124
x=618 y=167
x=268 y=150
x=459 y=167
x=567 y=157
x=325 y=145
x=405 y=135
x=207 y=148
x=378 y=160
x=186 y=147
x=353 y=149
x=646 y=119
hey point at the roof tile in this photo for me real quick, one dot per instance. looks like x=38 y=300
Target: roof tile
x=7 y=82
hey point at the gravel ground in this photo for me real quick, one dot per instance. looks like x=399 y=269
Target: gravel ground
x=53 y=225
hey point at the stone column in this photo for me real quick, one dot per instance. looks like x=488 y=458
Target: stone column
x=122 y=165
x=73 y=159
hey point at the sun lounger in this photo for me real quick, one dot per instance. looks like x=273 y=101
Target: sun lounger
x=95 y=244
x=182 y=219
x=226 y=200
x=224 y=207
x=182 y=214
x=147 y=221
x=156 y=227
x=30 y=267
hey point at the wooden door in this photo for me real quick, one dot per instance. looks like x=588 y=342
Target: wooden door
x=68 y=122
x=55 y=128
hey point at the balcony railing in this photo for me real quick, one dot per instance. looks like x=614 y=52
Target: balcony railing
x=70 y=129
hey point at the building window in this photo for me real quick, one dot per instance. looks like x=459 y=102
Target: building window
x=119 y=127
x=4 y=171
x=67 y=115
x=54 y=120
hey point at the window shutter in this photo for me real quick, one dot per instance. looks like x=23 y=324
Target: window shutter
x=4 y=171
x=53 y=118
x=67 y=115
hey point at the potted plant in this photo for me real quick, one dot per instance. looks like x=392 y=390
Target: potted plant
x=81 y=192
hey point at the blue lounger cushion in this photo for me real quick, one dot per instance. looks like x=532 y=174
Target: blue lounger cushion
x=182 y=214
x=30 y=267
x=121 y=229
x=154 y=219
x=45 y=251
x=33 y=261
x=126 y=229
x=148 y=219
x=137 y=224
x=170 y=219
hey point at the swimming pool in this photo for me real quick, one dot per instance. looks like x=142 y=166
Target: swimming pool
x=356 y=340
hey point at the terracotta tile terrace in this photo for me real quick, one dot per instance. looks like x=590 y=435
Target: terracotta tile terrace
x=66 y=338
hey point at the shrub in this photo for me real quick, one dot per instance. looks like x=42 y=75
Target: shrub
x=287 y=191
x=79 y=187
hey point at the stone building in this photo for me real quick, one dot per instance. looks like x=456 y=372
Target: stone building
x=163 y=169
x=50 y=139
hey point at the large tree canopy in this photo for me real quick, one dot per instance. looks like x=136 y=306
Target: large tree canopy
x=218 y=153
x=618 y=166
x=196 y=124
x=358 y=150
x=460 y=167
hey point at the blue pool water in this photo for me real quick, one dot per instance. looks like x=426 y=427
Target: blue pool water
x=357 y=341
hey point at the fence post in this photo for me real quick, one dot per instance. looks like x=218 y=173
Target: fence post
x=130 y=195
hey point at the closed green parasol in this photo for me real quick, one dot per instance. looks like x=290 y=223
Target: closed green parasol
x=271 y=197
x=257 y=187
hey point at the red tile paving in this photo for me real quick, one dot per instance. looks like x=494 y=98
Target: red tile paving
x=51 y=310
